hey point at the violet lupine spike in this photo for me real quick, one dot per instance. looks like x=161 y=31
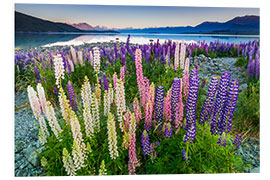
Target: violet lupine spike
x=37 y=74
x=208 y=103
x=72 y=97
x=175 y=99
x=145 y=143
x=105 y=82
x=184 y=155
x=168 y=131
x=220 y=100
x=237 y=141
x=191 y=106
x=225 y=118
x=159 y=101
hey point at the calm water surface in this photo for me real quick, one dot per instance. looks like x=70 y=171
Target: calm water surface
x=34 y=40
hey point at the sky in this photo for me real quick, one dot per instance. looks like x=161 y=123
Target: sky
x=113 y=16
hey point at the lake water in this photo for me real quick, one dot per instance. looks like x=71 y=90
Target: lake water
x=34 y=40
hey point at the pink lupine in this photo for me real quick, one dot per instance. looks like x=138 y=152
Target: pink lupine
x=145 y=92
x=148 y=116
x=180 y=107
x=137 y=110
x=139 y=71
x=167 y=106
x=114 y=80
x=186 y=79
x=122 y=74
x=127 y=120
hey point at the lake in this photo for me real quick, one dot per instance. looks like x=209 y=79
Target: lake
x=25 y=40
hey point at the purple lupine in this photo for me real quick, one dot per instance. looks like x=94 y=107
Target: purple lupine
x=37 y=74
x=168 y=131
x=105 y=82
x=145 y=143
x=184 y=155
x=100 y=82
x=159 y=101
x=175 y=99
x=222 y=140
x=169 y=56
x=257 y=66
x=224 y=122
x=56 y=91
x=203 y=83
x=72 y=98
x=147 y=56
x=208 y=103
x=191 y=106
x=220 y=100
x=237 y=141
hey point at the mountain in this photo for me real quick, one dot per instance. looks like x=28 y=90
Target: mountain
x=237 y=25
x=26 y=23
x=101 y=28
x=82 y=26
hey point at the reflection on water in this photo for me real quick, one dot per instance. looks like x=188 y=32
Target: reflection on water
x=34 y=40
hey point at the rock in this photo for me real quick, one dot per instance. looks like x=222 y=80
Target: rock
x=255 y=170
x=243 y=87
x=19 y=145
x=34 y=158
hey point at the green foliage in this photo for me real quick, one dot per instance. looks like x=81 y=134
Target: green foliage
x=247 y=113
x=241 y=62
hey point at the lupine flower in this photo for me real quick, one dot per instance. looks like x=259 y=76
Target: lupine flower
x=220 y=100
x=72 y=97
x=176 y=57
x=112 y=137
x=64 y=106
x=148 y=116
x=184 y=155
x=78 y=156
x=106 y=103
x=133 y=162
x=175 y=99
x=180 y=113
x=102 y=171
x=37 y=74
x=71 y=65
x=122 y=74
x=159 y=106
x=191 y=106
x=55 y=127
x=120 y=101
x=86 y=92
x=88 y=121
x=145 y=143
x=237 y=141
x=110 y=93
x=225 y=118
x=139 y=71
x=127 y=120
x=167 y=106
x=96 y=60
x=80 y=57
x=168 y=130
x=95 y=113
x=68 y=163
x=222 y=140
x=58 y=68
x=115 y=80
x=186 y=79
x=73 y=54
x=208 y=103
x=168 y=56
x=34 y=102
x=105 y=82
x=98 y=92
x=182 y=55
x=137 y=110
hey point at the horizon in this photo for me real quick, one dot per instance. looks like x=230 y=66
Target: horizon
x=119 y=17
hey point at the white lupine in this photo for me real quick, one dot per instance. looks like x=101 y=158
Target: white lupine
x=58 y=68
x=88 y=121
x=52 y=120
x=42 y=137
x=102 y=171
x=95 y=113
x=71 y=65
x=42 y=98
x=110 y=93
x=34 y=102
x=73 y=54
x=80 y=57
x=68 y=163
x=112 y=137
x=86 y=92
x=182 y=54
x=79 y=148
x=91 y=58
x=96 y=60
x=120 y=102
x=64 y=106
x=106 y=101
x=176 y=56
x=43 y=127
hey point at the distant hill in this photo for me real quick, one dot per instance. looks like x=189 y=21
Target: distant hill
x=26 y=23
x=237 y=25
x=82 y=26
